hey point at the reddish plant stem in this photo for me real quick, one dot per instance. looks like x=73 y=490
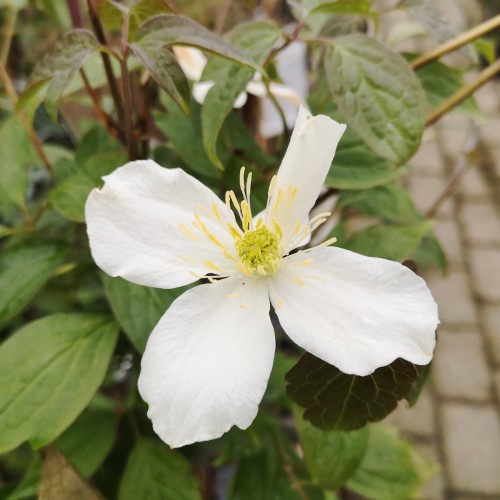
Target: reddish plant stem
x=113 y=86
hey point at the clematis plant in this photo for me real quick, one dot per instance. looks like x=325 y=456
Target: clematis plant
x=208 y=360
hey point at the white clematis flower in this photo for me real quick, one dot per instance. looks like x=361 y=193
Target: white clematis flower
x=208 y=360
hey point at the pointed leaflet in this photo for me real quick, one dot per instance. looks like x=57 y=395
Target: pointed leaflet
x=167 y=30
x=137 y=308
x=155 y=472
x=331 y=456
x=355 y=166
x=336 y=401
x=377 y=94
x=16 y=153
x=389 y=242
x=166 y=71
x=391 y=468
x=56 y=70
x=56 y=362
x=24 y=269
x=257 y=39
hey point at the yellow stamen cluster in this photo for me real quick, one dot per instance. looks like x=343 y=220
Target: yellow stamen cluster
x=259 y=252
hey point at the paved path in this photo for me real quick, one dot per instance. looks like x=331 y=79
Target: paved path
x=456 y=422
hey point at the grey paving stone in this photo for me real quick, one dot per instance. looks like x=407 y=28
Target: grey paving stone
x=485 y=267
x=496 y=383
x=490 y=315
x=488 y=101
x=460 y=368
x=418 y=420
x=480 y=222
x=448 y=235
x=453 y=140
x=425 y=190
x=490 y=133
x=472 y=448
x=473 y=185
x=428 y=160
x=434 y=488
x=453 y=297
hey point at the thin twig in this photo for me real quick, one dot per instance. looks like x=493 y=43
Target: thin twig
x=110 y=125
x=127 y=92
x=289 y=468
x=457 y=42
x=221 y=17
x=113 y=85
x=30 y=131
x=76 y=13
x=464 y=92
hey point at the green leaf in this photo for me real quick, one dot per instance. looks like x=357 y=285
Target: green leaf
x=377 y=94
x=16 y=153
x=389 y=242
x=111 y=14
x=440 y=82
x=138 y=308
x=184 y=132
x=28 y=487
x=336 y=401
x=155 y=472
x=142 y=10
x=256 y=39
x=56 y=70
x=391 y=469
x=390 y=202
x=167 y=30
x=51 y=368
x=430 y=253
x=342 y=7
x=355 y=166
x=166 y=72
x=24 y=269
x=61 y=481
x=89 y=439
x=97 y=155
x=331 y=456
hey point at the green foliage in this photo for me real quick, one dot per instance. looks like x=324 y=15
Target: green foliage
x=155 y=472
x=24 y=268
x=377 y=94
x=351 y=401
x=137 y=308
x=355 y=166
x=331 y=456
x=391 y=469
x=16 y=155
x=55 y=72
x=257 y=39
x=53 y=363
x=390 y=242
x=72 y=422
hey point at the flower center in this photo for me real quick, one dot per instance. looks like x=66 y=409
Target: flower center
x=259 y=251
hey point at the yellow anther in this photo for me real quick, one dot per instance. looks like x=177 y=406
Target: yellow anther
x=187 y=232
x=305 y=262
x=233 y=295
x=187 y=259
x=216 y=211
x=327 y=243
x=298 y=281
x=212 y=266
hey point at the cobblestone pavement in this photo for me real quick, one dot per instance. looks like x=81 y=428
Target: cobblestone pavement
x=456 y=422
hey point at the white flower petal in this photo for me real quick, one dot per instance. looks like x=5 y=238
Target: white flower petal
x=357 y=313
x=191 y=60
x=304 y=168
x=208 y=360
x=133 y=226
x=200 y=90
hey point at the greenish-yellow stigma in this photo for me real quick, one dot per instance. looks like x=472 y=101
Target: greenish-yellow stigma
x=259 y=251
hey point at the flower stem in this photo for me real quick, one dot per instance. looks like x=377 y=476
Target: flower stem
x=457 y=42
x=464 y=92
x=113 y=86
